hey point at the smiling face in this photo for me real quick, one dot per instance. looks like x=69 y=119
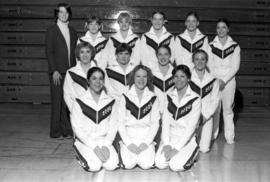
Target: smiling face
x=96 y=82
x=140 y=79
x=85 y=55
x=93 y=27
x=222 y=29
x=191 y=23
x=123 y=58
x=180 y=80
x=200 y=61
x=63 y=14
x=157 y=21
x=163 y=56
x=124 y=24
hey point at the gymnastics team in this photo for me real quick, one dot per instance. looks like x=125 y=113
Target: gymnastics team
x=149 y=101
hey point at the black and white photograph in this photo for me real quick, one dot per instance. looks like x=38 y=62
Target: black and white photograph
x=135 y=91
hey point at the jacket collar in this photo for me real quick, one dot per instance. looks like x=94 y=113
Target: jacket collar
x=197 y=36
x=164 y=31
x=229 y=41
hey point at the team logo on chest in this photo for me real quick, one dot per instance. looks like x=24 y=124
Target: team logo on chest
x=131 y=43
x=79 y=79
x=191 y=47
x=202 y=91
x=155 y=45
x=207 y=88
x=181 y=111
x=100 y=46
x=137 y=112
x=223 y=53
x=164 y=86
x=96 y=116
x=117 y=76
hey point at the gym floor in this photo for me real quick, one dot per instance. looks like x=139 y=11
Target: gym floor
x=28 y=154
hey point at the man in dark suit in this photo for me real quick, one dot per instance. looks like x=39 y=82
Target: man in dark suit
x=61 y=41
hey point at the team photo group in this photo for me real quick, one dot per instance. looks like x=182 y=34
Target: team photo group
x=149 y=101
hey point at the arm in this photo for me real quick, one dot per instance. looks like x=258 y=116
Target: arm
x=121 y=120
x=166 y=118
x=50 y=51
x=178 y=52
x=213 y=102
x=69 y=95
x=113 y=126
x=235 y=65
x=191 y=124
x=136 y=53
x=80 y=131
x=172 y=46
x=155 y=117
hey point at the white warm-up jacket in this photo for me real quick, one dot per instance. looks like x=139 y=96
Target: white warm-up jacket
x=185 y=47
x=180 y=119
x=138 y=121
x=149 y=44
x=75 y=84
x=116 y=39
x=162 y=84
x=224 y=61
x=99 y=44
x=94 y=124
x=208 y=89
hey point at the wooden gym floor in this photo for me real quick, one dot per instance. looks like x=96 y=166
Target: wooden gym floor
x=28 y=154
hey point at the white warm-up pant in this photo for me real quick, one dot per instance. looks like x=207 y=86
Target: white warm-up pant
x=89 y=160
x=183 y=160
x=227 y=102
x=145 y=159
x=206 y=135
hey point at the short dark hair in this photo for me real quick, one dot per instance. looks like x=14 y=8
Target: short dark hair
x=198 y=52
x=66 y=6
x=124 y=15
x=159 y=12
x=123 y=47
x=192 y=13
x=84 y=44
x=149 y=76
x=92 y=70
x=93 y=18
x=182 y=68
x=164 y=47
x=224 y=20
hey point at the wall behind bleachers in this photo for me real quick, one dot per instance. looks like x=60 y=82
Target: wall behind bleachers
x=23 y=65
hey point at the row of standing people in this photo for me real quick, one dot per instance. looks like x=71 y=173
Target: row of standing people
x=224 y=60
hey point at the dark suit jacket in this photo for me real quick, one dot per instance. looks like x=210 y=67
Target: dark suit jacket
x=57 y=51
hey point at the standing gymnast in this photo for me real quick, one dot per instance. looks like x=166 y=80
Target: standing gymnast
x=179 y=149
x=224 y=62
x=151 y=40
x=163 y=79
x=75 y=84
x=94 y=123
x=123 y=35
x=119 y=70
x=191 y=40
x=205 y=85
x=95 y=38
x=138 y=120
